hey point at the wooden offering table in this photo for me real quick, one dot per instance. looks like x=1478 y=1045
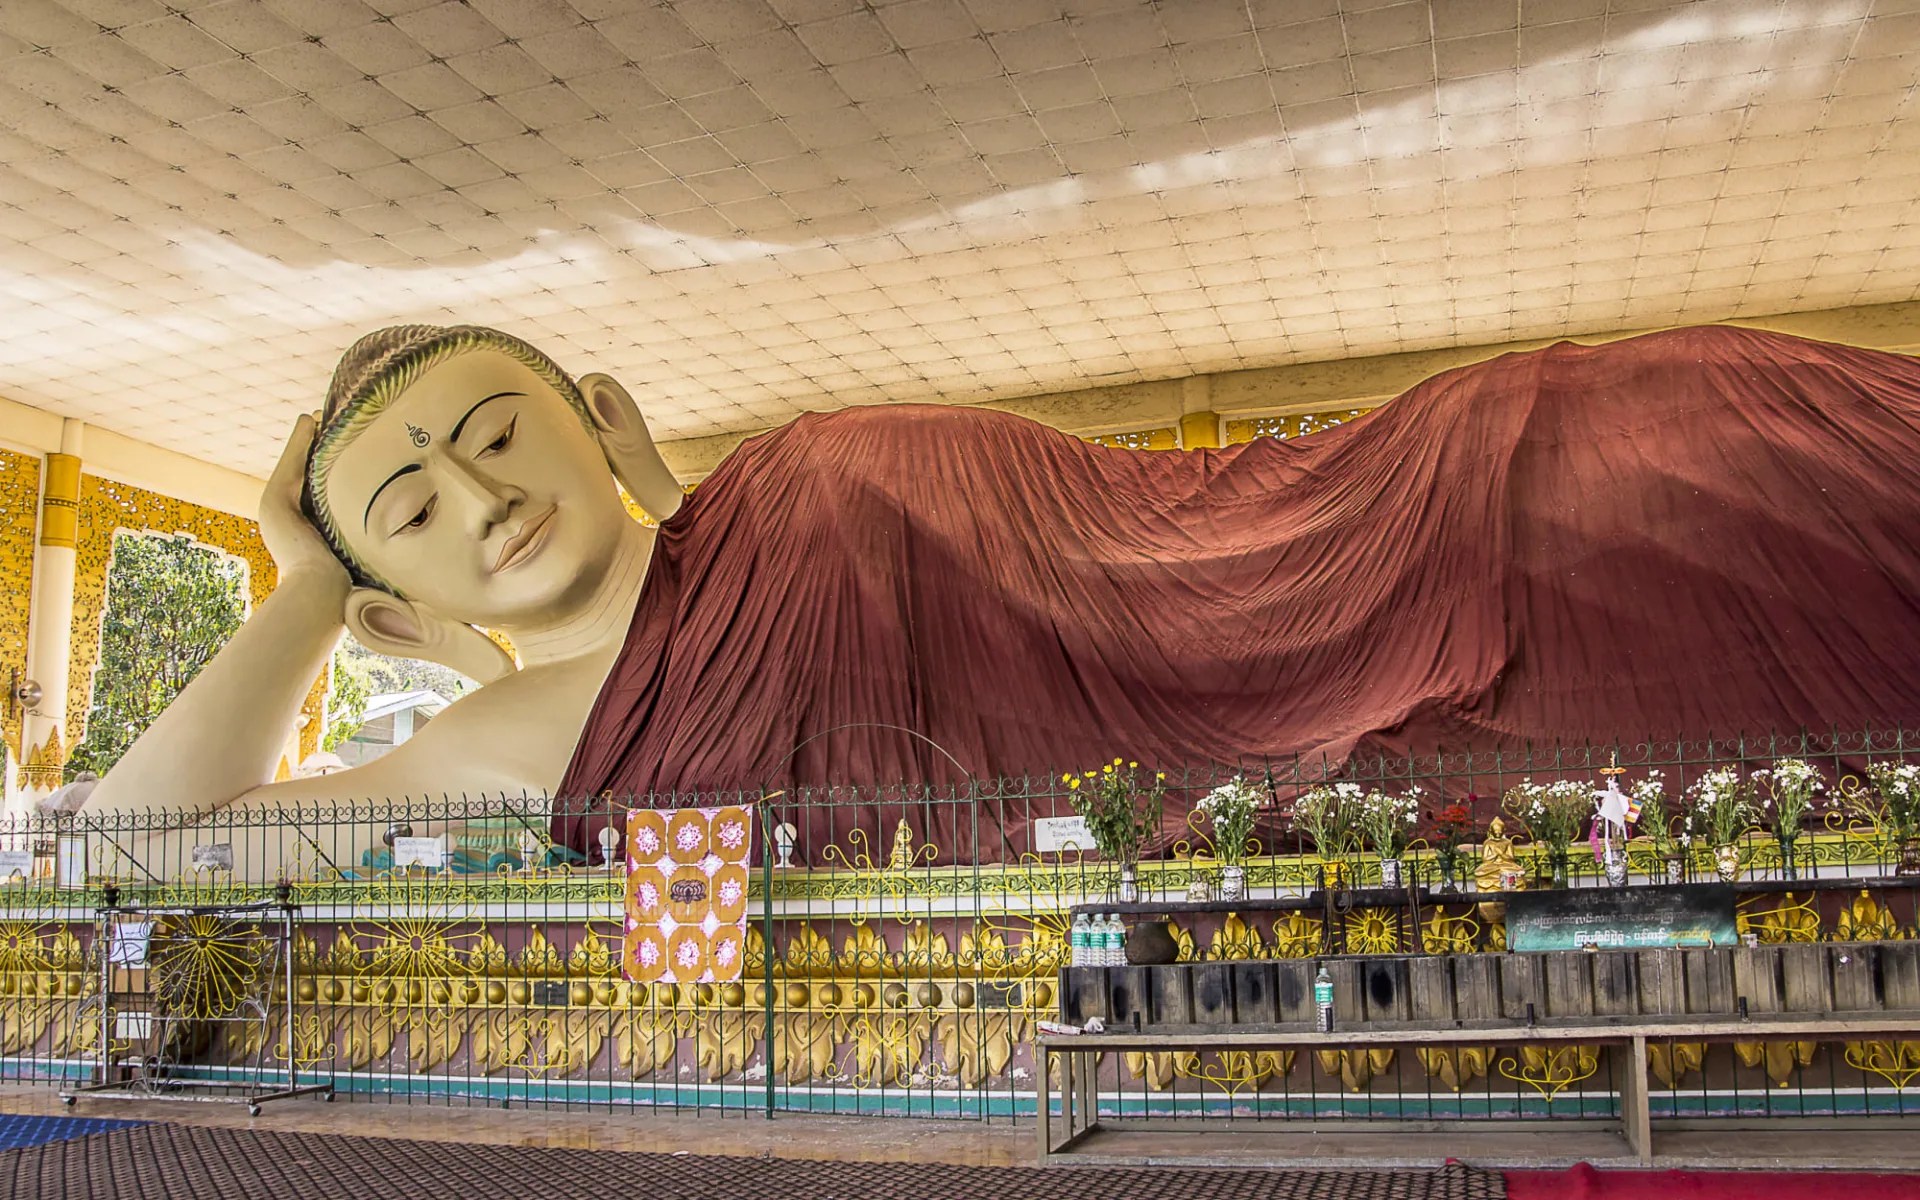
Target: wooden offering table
x=1807 y=1034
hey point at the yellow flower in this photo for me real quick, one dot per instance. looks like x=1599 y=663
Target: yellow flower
x=1066 y=779
x=1116 y=762
x=1073 y=783
x=1133 y=766
x=1159 y=774
x=1109 y=770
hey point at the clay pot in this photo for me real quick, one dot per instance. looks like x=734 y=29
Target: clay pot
x=1151 y=944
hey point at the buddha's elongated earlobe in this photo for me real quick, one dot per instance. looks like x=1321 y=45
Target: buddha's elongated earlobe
x=629 y=447
x=386 y=624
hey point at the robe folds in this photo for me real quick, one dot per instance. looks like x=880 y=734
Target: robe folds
x=1704 y=531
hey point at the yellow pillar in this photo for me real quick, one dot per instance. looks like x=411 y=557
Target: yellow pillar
x=49 y=642
x=1199 y=429
x=1199 y=424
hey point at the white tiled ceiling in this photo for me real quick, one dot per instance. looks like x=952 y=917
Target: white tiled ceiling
x=749 y=208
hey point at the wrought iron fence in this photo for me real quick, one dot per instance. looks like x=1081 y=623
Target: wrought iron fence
x=916 y=936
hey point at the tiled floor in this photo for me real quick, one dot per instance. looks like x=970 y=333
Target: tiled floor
x=197 y=1162
x=968 y=1143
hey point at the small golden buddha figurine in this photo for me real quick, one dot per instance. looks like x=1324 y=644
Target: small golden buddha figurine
x=1499 y=870
x=902 y=856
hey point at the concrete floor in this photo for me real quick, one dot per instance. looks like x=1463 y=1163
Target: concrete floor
x=969 y=1143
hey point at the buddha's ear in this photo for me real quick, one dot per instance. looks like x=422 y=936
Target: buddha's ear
x=388 y=625
x=629 y=447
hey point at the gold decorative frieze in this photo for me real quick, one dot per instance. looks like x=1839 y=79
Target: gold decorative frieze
x=1141 y=439
x=40 y=768
x=1550 y=1069
x=1292 y=425
x=1456 y=1065
x=1780 y=1058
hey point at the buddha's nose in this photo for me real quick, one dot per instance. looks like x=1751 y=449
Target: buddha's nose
x=488 y=500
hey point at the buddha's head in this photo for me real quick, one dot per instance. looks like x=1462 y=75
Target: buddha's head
x=465 y=479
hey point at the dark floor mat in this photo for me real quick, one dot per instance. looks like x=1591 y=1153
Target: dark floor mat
x=184 y=1162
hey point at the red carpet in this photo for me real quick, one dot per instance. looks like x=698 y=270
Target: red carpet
x=1585 y=1183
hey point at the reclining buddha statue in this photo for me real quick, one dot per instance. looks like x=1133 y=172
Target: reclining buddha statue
x=456 y=479
x=1705 y=530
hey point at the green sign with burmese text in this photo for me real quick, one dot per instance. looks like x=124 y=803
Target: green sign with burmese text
x=1630 y=918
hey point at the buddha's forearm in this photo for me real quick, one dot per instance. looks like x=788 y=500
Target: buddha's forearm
x=223 y=735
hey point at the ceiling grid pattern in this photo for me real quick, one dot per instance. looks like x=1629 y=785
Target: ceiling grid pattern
x=746 y=209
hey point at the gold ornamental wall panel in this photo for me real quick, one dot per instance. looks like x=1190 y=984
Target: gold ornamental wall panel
x=107 y=508
x=19 y=507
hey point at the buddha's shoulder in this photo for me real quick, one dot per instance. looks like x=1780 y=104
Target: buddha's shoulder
x=557 y=693
x=518 y=731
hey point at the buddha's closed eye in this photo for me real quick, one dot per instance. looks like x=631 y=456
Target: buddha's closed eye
x=501 y=441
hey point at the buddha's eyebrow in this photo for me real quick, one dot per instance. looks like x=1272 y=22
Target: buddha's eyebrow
x=409 y=469
x=462 y=422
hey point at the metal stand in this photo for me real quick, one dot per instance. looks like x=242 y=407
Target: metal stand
x=214 y=970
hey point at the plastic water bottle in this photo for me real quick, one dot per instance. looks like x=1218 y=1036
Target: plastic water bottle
x=1080 y=938
x=1323 y=1000
x=1101 y=958
x=1119 y=942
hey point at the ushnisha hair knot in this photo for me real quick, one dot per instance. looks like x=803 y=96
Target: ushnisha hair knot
x=374 y=371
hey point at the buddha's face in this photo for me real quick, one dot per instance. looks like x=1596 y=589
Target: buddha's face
x=480 y=493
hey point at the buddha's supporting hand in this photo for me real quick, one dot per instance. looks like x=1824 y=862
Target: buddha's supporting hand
x=297 y=547
x=223 y=736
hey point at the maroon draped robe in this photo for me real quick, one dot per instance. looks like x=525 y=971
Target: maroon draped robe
x=1710 y=529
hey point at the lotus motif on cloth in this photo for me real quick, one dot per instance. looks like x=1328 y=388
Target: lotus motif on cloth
x=687 y=894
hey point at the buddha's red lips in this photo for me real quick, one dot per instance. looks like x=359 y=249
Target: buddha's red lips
x=522 y=544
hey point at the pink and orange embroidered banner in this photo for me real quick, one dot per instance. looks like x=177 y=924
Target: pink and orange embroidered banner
x=687 y=894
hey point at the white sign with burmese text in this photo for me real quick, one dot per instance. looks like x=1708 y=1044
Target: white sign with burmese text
x=419 y=852
x=1055 y=835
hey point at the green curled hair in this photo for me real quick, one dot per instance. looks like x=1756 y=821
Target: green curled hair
x=372 y=373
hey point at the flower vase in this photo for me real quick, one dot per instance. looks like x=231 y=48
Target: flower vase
x=1129 y=884
x=1909 y=863
x=1333 y=874
x=1199 y=890
x=1233 y=882
x=1676 y=868
x=1616 y=869
x=1726 y=863
x=1789 y=869
x=1449 y=882
x=1390 y=872
x=1557 y=868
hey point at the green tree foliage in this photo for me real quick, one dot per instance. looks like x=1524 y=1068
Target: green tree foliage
x=359 y=674
x=170 y=606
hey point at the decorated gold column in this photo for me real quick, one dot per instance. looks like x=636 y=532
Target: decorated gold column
x=44 y=746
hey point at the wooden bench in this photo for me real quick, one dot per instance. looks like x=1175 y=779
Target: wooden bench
x=1079 y=1116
